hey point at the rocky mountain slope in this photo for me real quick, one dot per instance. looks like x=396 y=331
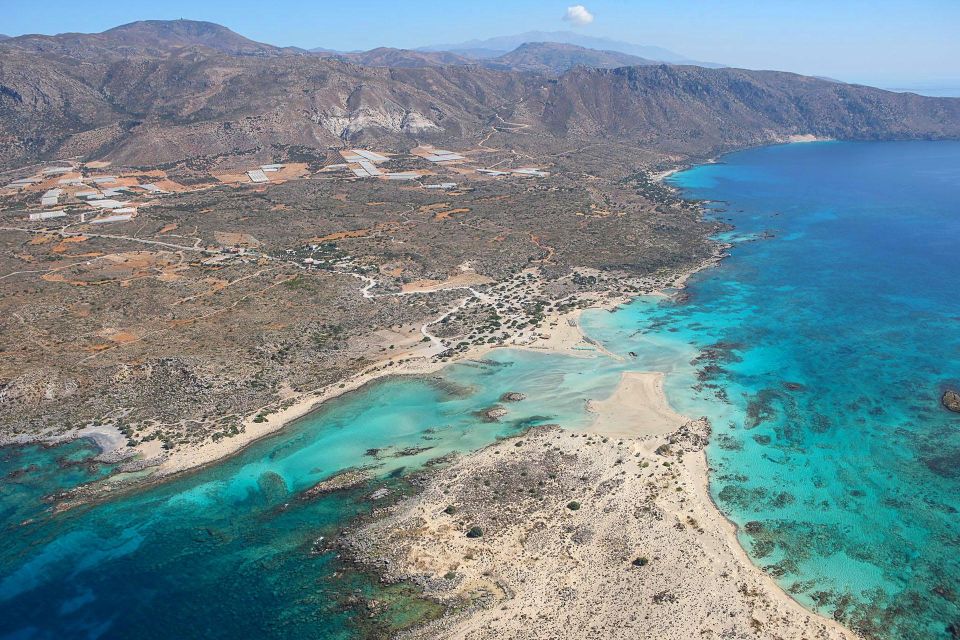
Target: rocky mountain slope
x=503 y=44
x=389 y=57
x=159 y=92
x=556 y=58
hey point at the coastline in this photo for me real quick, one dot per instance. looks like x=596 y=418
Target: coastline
x=560 y=333
x=581 y=535
x=639 y=396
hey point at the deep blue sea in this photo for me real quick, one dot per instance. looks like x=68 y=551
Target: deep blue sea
x=819 y=349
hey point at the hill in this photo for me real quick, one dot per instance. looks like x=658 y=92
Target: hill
x=492 y=47
x=148 y=38
x=554 y=58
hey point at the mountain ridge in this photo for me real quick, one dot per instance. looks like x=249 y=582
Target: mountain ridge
x=504 y=44
x=155 y=101
x=150 y=37
x=556 y=58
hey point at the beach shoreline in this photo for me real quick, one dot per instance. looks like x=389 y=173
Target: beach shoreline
x=619 y=539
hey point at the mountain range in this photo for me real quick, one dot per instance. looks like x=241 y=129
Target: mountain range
x=493 y=47
x=158 y=92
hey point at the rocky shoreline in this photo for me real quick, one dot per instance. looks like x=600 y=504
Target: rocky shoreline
x=560 y=534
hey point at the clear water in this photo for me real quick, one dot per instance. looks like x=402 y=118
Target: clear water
x=819 y=350
x=231 y=551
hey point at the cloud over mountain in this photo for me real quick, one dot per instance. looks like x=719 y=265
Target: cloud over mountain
x=578 y=15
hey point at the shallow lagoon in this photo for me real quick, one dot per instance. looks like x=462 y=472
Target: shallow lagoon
x=234 y=550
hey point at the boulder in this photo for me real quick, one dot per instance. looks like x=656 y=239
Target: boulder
x=951 y=400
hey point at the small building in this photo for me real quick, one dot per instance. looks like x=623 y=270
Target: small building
x=87 y=194
x=105 y=179
x=49 y=171
x=530 y=171
x=71 y=181
x=370 y=155
x=47 y=215
x=107 y=204
x=121 y=217
x=152 y=188
x=402 y=175
x=493 y=172
x=447 y=156
x=271 y=167
x=51 y=197
x=257 y=175
x=442 y=185
x=369 y=167
x=360 y=172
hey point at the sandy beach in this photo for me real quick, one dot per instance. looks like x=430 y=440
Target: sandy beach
x=637 y=407
x=582 y=536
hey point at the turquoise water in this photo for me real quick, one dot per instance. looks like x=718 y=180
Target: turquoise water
x=232 y=551
x=819 y=349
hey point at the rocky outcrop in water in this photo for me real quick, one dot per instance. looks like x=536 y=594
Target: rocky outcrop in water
x=344 y=480
x=951 y=400
x=493 y=413
x=512 y=396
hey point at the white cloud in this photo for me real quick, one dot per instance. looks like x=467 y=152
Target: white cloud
x=578 y=15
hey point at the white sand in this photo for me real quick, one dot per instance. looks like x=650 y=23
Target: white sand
x=637 y=407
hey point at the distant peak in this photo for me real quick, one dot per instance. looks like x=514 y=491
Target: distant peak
x=185 y=33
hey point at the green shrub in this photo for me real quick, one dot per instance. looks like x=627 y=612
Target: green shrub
x=573 y=506
x=475 y=532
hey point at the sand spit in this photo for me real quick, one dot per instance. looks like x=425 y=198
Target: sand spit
x=637 y=407
x=581 y=536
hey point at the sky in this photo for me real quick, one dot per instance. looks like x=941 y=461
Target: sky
x=883 y=42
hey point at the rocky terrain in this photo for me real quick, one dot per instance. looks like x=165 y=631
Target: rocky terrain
x=203 y=318
x=155 y=92
x=558 y=534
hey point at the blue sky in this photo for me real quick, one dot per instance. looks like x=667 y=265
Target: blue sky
x=885 y=42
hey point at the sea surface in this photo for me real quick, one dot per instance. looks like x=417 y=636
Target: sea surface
x=819 y=350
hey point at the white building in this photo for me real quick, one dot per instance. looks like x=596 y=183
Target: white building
x=51 y=198
x=257 y=175
x=47 y=215
x=122 y=217
x=107 y=204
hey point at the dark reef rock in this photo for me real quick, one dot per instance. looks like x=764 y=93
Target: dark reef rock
x=492 y=414
x=946 y=465
x=512 y=396
x=951 y=400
